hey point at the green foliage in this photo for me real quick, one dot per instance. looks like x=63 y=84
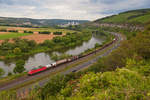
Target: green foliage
x=18 y=47
x=125 y=83
x=19 y=66
x=72 y=39
x=45 y=32
x=97 y=45
x=48 y=43
x=9 y=74
x=129 y=33
x=55 y=85
x=57 y=33
x=28 y=31
x=1 y=72
x=133 y=17
x=17 y=51
x=16 y=31
x=8 y=95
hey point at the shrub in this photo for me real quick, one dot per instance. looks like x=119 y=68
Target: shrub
x=1 y=72
x=57 y=33
x=3 y=30
x=45 y=32
x=9 y=74
x=28 y=31
x=19 y=66
x=12 y=30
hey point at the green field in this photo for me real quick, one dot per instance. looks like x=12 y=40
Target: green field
x=12 y=35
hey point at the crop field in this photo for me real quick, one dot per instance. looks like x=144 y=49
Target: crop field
x=14 y=28
x=12 y=35
x=36 y=29
x=50 y=30
x=39 y=38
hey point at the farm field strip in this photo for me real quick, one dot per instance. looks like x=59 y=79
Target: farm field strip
x=39 y=38
x=12 y=35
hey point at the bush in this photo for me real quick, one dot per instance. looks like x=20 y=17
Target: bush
x=19 y=66
x=13 y=31
x=45 y=32
x=57 y=33
x=28 y=31
x=17 y=51
x=1 y=72
x=3 y=30
x=9 y=74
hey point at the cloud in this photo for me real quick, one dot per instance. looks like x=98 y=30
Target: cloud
x=106 y=1
x=68 y=9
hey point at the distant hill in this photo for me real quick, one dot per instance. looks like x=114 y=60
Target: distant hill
x=140 y=16
x=36 y=22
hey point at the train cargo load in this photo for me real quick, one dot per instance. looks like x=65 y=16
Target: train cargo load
x=61 y=61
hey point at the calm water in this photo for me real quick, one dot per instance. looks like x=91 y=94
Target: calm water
x=44 y=59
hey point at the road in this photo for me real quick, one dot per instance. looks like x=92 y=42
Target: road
x=26 y=78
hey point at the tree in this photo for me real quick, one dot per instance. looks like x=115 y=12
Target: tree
x=17 y=50
x=19 y=66
x=96 y=46
x=9 y=74
x=31 y=43
x=48 y=43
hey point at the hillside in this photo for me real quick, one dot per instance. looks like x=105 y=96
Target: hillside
x=130 y=17
x=36 y=22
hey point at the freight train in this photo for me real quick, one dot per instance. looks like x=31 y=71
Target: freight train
x=55 y=64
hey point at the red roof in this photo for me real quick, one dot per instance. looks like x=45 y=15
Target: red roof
x=37 y=70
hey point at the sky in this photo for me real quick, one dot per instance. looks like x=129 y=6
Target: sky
x=68 y=9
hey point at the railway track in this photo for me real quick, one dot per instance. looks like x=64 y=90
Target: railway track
x=26 y=78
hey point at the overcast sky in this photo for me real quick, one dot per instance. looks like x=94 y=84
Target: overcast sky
x=68 y=9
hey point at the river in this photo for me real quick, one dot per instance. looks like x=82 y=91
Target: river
x=44 y=58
